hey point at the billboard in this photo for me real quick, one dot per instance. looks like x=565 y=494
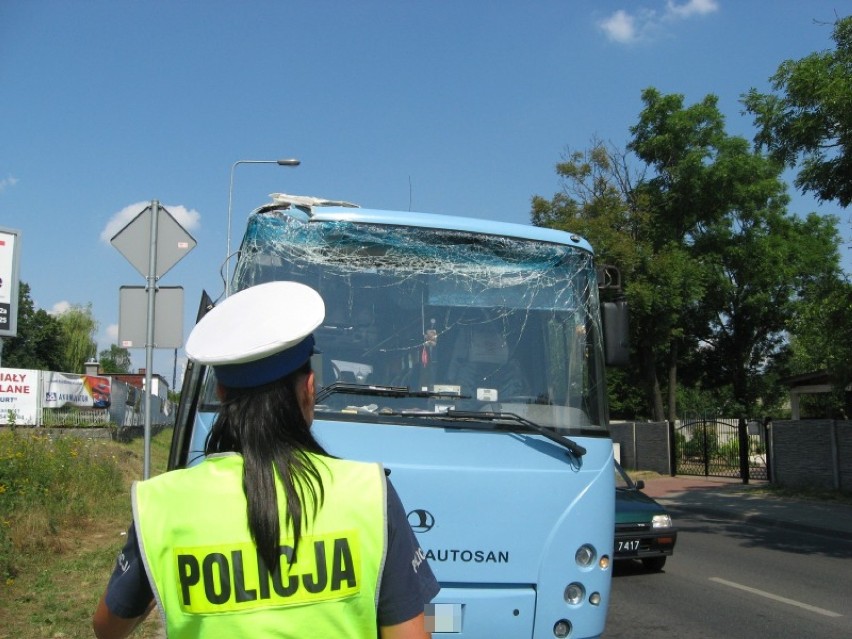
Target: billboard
x=18 y=396
x=10 y=246
x=86 y=391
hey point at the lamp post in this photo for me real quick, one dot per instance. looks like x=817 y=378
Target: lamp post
x=285 y=162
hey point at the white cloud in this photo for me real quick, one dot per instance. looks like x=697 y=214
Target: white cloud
x=189 y=219
x=620 y=27
x=7 y=182
x=690 y=8
x=60 y=307
x=625 y=27
x=107 y=337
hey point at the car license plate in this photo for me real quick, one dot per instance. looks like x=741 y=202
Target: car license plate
x=626 y=546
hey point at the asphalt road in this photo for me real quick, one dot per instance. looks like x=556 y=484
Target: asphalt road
x=730 y=580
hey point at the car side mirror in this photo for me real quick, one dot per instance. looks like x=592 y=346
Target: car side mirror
x=640 y=484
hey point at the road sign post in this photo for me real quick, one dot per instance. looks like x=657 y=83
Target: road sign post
x=152 y=242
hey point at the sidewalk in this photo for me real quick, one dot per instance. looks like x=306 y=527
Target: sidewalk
x=731 y=499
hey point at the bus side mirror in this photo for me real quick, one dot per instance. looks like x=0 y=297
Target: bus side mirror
x=615 y=326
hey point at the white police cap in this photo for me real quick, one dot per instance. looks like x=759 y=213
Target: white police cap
x=259 y=334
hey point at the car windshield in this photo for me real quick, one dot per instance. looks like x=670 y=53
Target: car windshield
x=420 y=321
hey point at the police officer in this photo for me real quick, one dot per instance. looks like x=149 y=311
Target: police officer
x=270 y=536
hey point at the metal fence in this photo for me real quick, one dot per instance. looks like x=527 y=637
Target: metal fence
x=75 y=417
x=708 y=446
x=720 y=447
x=126 y=410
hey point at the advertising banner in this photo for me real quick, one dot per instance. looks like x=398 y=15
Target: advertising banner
x=9 y=248
x=18 y=396
x=87 y=391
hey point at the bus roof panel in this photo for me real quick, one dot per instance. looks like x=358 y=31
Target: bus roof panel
x=451 y=222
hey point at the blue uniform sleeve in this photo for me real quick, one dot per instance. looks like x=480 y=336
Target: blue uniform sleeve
x=128 y=592
x=407 y=580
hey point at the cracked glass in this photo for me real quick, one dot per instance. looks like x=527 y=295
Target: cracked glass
x=420 y=321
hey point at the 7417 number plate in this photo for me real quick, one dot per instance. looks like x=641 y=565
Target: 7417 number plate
x=626 y=545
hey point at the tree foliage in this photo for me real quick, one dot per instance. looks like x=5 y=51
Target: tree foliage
x=77 y=327
x=808 y=118
x=114 y=360
x=822 y=336
x=37 y=344
x=765 y=264
x=713 y=264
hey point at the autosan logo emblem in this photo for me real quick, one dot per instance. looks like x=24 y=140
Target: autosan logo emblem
x=421 y=520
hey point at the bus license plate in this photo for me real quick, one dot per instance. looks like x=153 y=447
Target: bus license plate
x=444 y=617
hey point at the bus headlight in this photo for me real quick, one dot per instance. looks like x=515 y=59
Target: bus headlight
x=562 y=628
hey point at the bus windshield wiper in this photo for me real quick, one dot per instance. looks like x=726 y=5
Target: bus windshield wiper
x=491 y=416
x=348 y=388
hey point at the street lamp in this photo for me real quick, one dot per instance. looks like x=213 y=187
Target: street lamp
x=286 y=162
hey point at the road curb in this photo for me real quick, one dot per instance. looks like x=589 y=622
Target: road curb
x=751 y=518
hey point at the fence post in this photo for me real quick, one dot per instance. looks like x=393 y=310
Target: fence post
x=742 y=433
x=770 y=451
x=672 y=448
x=40 y=398
x=835 y=457
x=767 y=447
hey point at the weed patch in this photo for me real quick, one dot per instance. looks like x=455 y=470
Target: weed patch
x=64 y=512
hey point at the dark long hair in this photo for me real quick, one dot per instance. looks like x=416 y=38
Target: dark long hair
x=266 y=425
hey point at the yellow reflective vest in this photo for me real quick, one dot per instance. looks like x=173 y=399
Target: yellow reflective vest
x=209 y=580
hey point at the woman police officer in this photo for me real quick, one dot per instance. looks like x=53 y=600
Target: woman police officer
x=270 y=536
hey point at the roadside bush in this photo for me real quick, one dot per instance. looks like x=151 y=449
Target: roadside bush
x=680 y=443
x=703 y=439
x=44 y=484
x=730 y=450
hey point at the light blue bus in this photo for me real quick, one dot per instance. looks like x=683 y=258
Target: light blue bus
x=468 y=358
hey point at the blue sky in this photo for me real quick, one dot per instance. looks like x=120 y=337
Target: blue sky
x=459 y=107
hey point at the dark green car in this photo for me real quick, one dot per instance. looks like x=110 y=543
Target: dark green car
x=643 y=528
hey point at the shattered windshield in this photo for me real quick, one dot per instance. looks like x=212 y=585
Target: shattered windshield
x=420 y=320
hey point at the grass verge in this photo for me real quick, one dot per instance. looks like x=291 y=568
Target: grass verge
x=808 y=494
x=64 y=512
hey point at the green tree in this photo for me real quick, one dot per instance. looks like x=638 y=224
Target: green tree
x=822 y=335
x=37 y=344
x=115 y=360
x=710 y=259
x=684 y=148
x=765 y=263
x=77 y=328
x=808 y=118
